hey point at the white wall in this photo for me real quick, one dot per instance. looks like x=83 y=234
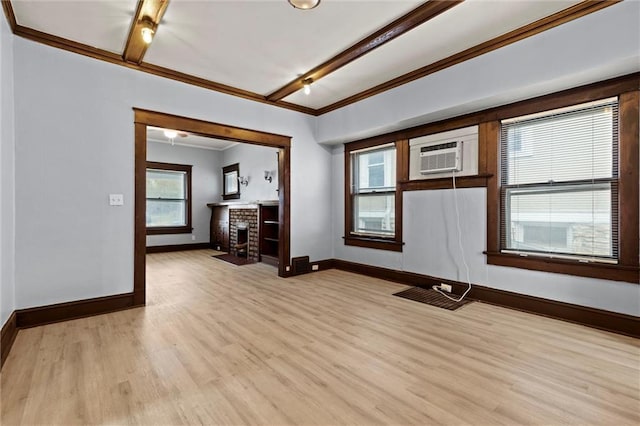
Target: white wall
x=205 y=187
x=7 y=176
x=602 y=45
x=253 y=161
x=74 y=138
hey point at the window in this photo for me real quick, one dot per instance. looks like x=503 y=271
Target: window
x=372 y=202
x=559 y=182
x=168 y=198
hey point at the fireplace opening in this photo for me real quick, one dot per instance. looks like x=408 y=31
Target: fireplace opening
x=242 y=241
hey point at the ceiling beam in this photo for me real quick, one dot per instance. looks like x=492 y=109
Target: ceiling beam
x=405 y=23
x=152 y=10
x=566 y=15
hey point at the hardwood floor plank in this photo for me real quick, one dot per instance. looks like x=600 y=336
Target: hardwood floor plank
x=225 y=344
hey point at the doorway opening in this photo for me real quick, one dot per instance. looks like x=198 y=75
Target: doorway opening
x=145 y=119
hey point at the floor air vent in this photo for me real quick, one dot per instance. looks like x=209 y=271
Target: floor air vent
x=430 y=297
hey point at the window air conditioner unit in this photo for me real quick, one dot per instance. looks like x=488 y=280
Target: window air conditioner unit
x=442 y=157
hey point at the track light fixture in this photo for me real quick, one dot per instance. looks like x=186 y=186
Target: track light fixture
x=304 y=4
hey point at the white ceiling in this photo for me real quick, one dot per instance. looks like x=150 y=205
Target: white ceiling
x=102 y=24
x=262 y=45
x=464 y=26
x=156 y=134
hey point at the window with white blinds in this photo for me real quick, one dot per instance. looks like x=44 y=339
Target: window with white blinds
x=559 y=173
x=373 y=191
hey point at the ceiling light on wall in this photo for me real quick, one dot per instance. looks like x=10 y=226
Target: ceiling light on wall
x=306 y=83
x=170 y=134
x=304 y=4
x=147 y=30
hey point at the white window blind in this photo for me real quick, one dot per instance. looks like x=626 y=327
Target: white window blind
x=559 y=182
x=373 y=189
x=166 y=198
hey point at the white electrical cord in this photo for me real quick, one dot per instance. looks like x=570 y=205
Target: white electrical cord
x=464 y=260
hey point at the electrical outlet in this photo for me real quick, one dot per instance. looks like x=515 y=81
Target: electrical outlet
x=287 y=268
x=445 y=287
x=315 y=267
x=193 y=238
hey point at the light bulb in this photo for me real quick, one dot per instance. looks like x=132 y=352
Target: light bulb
x=306 y=83
x=304 y=4
x=148 y=29
x=170 y=134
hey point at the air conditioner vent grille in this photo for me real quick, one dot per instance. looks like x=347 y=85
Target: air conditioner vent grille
x=441 y=157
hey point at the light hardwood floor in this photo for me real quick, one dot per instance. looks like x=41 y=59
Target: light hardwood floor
x=222 y=344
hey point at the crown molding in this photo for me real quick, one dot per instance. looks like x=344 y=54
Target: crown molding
x=405 y=23
x=113 y=58
x=566 y=15
x=569 y=14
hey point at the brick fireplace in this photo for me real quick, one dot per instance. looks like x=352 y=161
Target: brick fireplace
x=244 y=221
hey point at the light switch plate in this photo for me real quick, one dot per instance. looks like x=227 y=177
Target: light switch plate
x=116 y=199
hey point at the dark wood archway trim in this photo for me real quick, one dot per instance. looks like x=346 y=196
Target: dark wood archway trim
x=144 y=118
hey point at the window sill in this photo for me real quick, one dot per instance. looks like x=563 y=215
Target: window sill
x=603 y=271
x=169 y=230
x=374 y=243
x=476 y=181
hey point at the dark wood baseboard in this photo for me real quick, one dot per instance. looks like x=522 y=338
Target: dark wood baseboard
x=42 y=315
x=302 y=265
x=178 y=247
x=597 y=318
x=325 y=264
x=7 y=337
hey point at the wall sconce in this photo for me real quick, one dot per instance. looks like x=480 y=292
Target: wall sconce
x=268 y=175
x=244 y=181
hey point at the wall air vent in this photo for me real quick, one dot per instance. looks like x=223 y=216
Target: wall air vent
x=442 y=157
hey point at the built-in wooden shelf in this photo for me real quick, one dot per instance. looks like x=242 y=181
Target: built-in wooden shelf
x=269 y=237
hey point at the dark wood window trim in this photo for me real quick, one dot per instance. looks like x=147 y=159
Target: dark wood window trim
x=402 y=173
x=476 y=181
x=625 y=87
x=187 y=228
x=627 y=267
x=228 y=169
